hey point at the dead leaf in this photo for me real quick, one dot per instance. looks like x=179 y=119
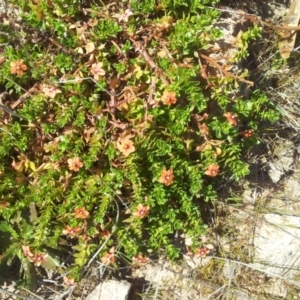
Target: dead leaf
x=93 y=22
x=89 y=47
x=2 y=59
x=162 y=53
x=88 y=133
x=114 y=82
x=204 y=129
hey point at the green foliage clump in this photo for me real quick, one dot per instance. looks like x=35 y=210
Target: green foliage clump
x=115 y=137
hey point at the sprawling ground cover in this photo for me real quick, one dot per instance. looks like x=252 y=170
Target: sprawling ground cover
x=114 y=129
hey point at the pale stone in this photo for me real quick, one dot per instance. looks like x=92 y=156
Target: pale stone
x=277 y=245
x=110 y=290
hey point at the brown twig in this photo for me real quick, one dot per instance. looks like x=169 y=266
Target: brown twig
x=139 y=48
x=226 y=73
x=2 y=59
x=273 y=26
x=152 y=88
x=26 y=95
x=203 y=73
x=121 y=53
x=255 y=18
x=58 y=45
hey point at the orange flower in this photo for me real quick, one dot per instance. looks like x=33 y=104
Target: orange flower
x=231 y=118
x=139 y=259
x=75 y=164
x=50 y=90
x=109 y=257
x=141 y=211
x=97 y=70
x=68 y=281
x=17 y=67
x=71 y=231
x=247 y=133
x=202 y=252
x=125 y=146
x=38 y=259
x=168 y=98
x=105 y=233
x=4 y=204
x=26 y=251
x=81 y=213
x=212 y=170
x=166 y=177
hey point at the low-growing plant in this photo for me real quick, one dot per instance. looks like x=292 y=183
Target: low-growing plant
x=111 y=138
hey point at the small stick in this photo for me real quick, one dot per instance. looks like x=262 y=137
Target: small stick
x=25 y=96
x=8 y=110
x=17 y=295
x=227 y=74
x=58 y=45
x=255 y=18
x=139 y=48
x=108 y=238
x=121 y=53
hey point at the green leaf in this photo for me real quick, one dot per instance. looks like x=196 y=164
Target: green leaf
x=5 y=227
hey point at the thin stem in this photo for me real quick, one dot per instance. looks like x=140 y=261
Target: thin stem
x=105 y=242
